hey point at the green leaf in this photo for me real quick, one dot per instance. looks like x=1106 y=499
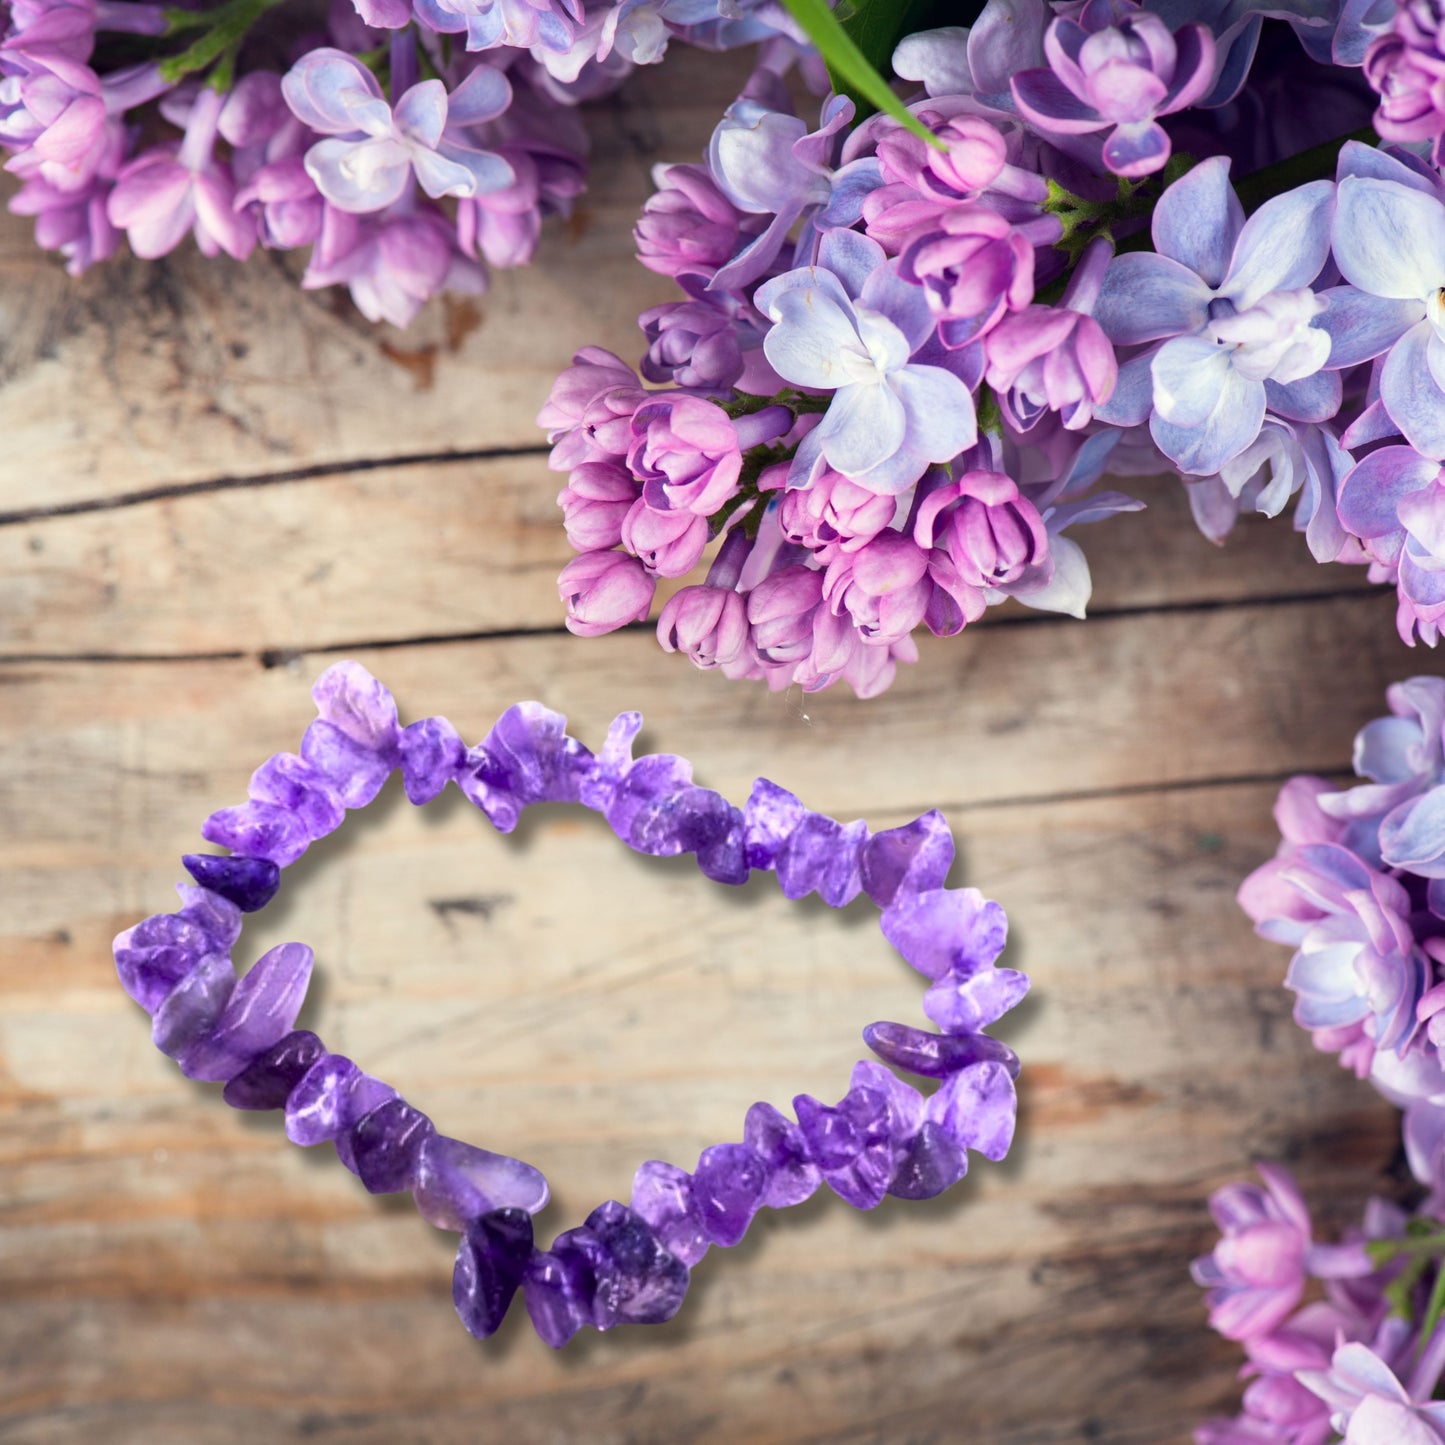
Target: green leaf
x=852 y=72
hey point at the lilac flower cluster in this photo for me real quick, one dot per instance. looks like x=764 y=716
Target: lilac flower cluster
x=1358 y=890
x=1361 y=1358
x=899 y=368
x=628 y=1264
x=240 y=123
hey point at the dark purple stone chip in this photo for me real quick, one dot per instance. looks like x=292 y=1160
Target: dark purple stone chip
x=249 y=883
x=266 y=1082
x=491 y=1260
x=386 y=1146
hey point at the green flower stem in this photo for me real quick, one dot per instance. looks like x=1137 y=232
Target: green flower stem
x=227 y=26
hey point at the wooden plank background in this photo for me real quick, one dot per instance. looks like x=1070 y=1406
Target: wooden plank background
x=210 y=486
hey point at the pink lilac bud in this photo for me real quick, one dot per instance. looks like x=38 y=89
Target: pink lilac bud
x=990 y=533
x=883 y=586
x=780 y=613
x=594 y=503
x=604 y=591
x=973 y=160
x=685 y=453
x=893 y=214
x=692 y=343
x=688 y=227
x=1256 y=1273
x=588 y=415
x=669 y=544
x=973 y=267
x=285 y=204
x=1044 y=359
x=709 y=624
x=1407 y=69
x=834 y=514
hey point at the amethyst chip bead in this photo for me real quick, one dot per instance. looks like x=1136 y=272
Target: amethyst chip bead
x=628 y=1263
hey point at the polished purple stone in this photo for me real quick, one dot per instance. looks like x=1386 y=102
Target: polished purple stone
x=771 y=814
x=491 y=1260
x=931 y=1162
x=260 y=1012
x=914 y=857
x=662 y=1195
x=640 y=1282
x=258 y=830
x=823 y=855
x=963 y=1002
x=637 y=810
x=946 y=929
x=158 y=952
x=266 y=1082
x=526 y=758
x=331 y=1097
x=729 y=1184
x=365 y=1093
x=976 y=1108
x=432 y=751
x=291 y=783
x=936 y=1056
x=851 y=1144
x=150 y=972
x=902 y=1103
x=354 y=773
x=611 y=763
x=558 y=1289
x=386 y=1146
x=249 y=883
x=456 y=1182
x=725 y=858
x=194 y=1006
x=349 y=698
x=792 y=1176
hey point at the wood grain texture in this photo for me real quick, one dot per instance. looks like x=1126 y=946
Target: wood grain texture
x=173 y=1272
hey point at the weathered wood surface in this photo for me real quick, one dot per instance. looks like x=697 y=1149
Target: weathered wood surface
x=173 y=1272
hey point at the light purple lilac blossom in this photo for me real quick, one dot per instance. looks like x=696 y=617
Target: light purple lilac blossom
x=1358 y=888
x=456 y=150
x=625 y=1264
x=1124 y=245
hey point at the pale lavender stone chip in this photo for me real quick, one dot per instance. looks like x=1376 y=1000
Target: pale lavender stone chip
x=729 y=1184
x=457 y=1182
x=258 y=830
x=432 y=752
x=193 y=1007
x=662 y=1195
x=259 y=1013
x=349 y=698
x=353 y=772
x=771 y=814
x=823 y=855
x=792 y=1177
x=158 y=952
x=915 y=857
x=976 y=1108
x=291 y=783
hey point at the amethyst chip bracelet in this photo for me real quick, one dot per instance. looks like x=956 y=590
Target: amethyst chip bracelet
x=628 y=1264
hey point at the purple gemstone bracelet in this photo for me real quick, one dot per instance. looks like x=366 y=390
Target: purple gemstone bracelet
x=628 y=1264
